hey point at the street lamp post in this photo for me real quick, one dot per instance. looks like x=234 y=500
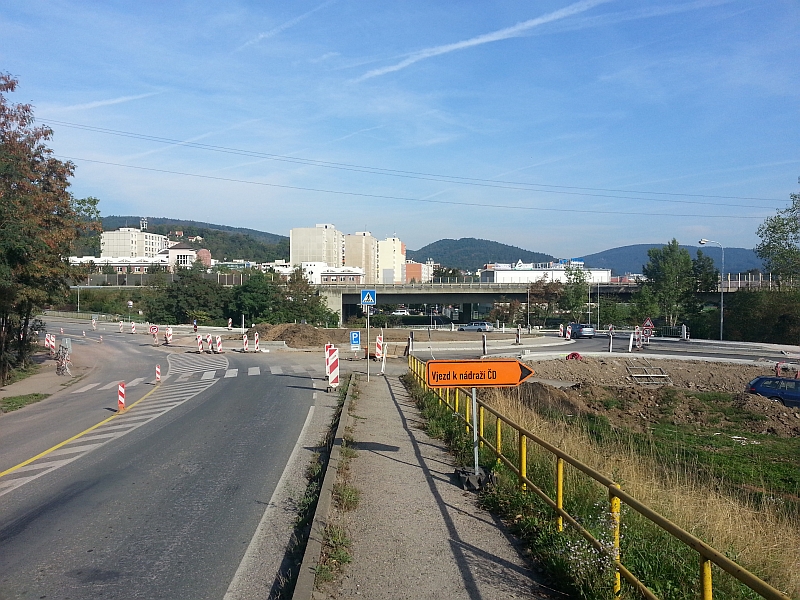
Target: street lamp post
x=703 y=242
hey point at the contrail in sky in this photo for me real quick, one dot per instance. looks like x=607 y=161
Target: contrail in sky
x=494 y=36
x=99 y=103
x=283 y=27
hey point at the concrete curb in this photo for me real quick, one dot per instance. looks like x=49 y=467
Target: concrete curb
x=304 y=587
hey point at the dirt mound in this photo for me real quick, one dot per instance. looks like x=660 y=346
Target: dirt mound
x=604 y=388
x=295 y=335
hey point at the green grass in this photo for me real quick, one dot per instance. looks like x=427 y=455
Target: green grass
x=664 y=564
x=10 y=403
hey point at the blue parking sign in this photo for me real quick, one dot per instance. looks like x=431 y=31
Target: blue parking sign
x=355 y=338
x=368 y=298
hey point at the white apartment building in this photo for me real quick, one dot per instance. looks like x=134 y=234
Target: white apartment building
x=391 y=261
x=322 y=243
x=131 y=242
x=530 y=272
x=361 y=251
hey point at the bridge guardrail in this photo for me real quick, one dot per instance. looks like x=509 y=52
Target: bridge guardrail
x=616 y=495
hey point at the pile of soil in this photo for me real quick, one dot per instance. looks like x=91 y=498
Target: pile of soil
x=604 y=388
x=294 y=334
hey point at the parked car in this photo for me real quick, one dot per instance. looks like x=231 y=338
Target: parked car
x=477 y=326
x=780 y=389
x=401 y=312
x=580 y=330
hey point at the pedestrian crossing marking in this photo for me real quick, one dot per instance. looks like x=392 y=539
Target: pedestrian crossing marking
x=254 y=371
x=209 y=375
x=86 y=388
x=276 y=370
x=135 y=382
x=110 y=385
x=232 y=373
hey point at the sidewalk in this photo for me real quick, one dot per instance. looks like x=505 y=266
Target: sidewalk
x=416 y=533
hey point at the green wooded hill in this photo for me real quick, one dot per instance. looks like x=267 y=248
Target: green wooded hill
x=224 y=242
x=470 y=254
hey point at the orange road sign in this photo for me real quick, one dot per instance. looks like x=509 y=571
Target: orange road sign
x=476 y=373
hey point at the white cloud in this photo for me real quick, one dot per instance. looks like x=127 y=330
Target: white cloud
x=283 y=27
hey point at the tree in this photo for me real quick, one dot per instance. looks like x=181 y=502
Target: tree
x=259 y=298
x=39 y=221
x=544 y=296
x=575 y=293
x=780 y=241
x=670 y=279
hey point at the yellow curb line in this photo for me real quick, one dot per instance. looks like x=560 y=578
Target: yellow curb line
x=74 y=437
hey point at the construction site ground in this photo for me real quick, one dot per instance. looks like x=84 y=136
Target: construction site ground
x=603 y=386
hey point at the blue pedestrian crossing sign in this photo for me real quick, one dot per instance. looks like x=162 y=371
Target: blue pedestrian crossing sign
x=368 y=298
x=355 y=339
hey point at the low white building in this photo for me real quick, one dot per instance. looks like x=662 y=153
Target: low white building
x=531 y=272
x=179 y=256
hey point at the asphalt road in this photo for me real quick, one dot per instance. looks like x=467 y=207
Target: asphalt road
x=160 y=502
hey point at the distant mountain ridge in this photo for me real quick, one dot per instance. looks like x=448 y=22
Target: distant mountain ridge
x=470 y=254
x=631 y=259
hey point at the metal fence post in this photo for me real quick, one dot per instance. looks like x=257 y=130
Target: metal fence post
x=455 y=402
x=498 y=435
x=706 y=593
x=466 y=415
x=480 y=426
x=560 y=491
x=523 y=461
x=615 y=518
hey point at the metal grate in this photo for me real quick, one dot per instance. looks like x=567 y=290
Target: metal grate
x=643 y=373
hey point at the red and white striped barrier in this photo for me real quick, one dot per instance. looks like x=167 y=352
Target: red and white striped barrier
x=255 y=344
x=84 y=334
x=62 y=331
x=169 y=335
x=158 y=373
x=328 y=353
x=101 y=339
x=569 y=332
x=333 y=377
x=199 y=343
x=209 y=341
x=560 y=330
x=244 y=342
x=230 y=324
x=121 y=397
x=94 y=324
x=133 y=327
x=219 y=344
x=120 y=326
x=379 y=347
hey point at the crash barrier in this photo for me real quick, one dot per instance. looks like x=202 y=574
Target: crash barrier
x=518 y=464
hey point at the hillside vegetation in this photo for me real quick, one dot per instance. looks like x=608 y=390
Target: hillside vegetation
x=470 y=254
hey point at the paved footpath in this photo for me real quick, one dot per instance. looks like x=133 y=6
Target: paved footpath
x=416 y=533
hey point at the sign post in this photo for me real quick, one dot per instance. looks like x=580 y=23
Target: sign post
x=368 y=298
x=476 y=373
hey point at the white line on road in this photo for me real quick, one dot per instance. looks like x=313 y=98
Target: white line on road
x=86 y=388
x=232 y=373
x=276 y=370
x=254 y=371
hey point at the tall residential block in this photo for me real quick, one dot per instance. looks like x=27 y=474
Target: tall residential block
x=131 y=242
x=391 y=261
x=361 y=251
x=322 y=243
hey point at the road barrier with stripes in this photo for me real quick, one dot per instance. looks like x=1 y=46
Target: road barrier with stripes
x=219 y=344
x=158 y=373
x=133 y=327
x=199 y=344
x=209 y=342
x=121 y=397
x=169 y=335
x=120 y=326
x=244 y=342
x=519 y=465
x=378 y=347
x=255 y=341
x=333 y=367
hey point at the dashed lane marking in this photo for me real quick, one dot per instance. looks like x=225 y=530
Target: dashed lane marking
x=276 y=370
x=86 y=388
x=232 y=373
x=254 y=371
x=152 y=405
x=209 y=375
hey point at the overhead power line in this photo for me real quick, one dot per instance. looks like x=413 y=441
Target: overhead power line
x=404 y=198
x=609 y=193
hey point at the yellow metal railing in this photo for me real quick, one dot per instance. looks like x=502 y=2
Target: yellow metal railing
x=616 y=496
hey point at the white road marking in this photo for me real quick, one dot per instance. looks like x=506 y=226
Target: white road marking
x=135 y=382
x=86 y=388
x=254 y=371
x=232 y=373
x=276 y=370
x=108 y=386
x=208 y=375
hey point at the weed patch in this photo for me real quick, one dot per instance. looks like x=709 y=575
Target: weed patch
x=11 y=403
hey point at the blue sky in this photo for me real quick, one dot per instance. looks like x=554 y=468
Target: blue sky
x=561 y=127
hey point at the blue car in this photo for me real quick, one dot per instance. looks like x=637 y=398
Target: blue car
x=780 y=389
